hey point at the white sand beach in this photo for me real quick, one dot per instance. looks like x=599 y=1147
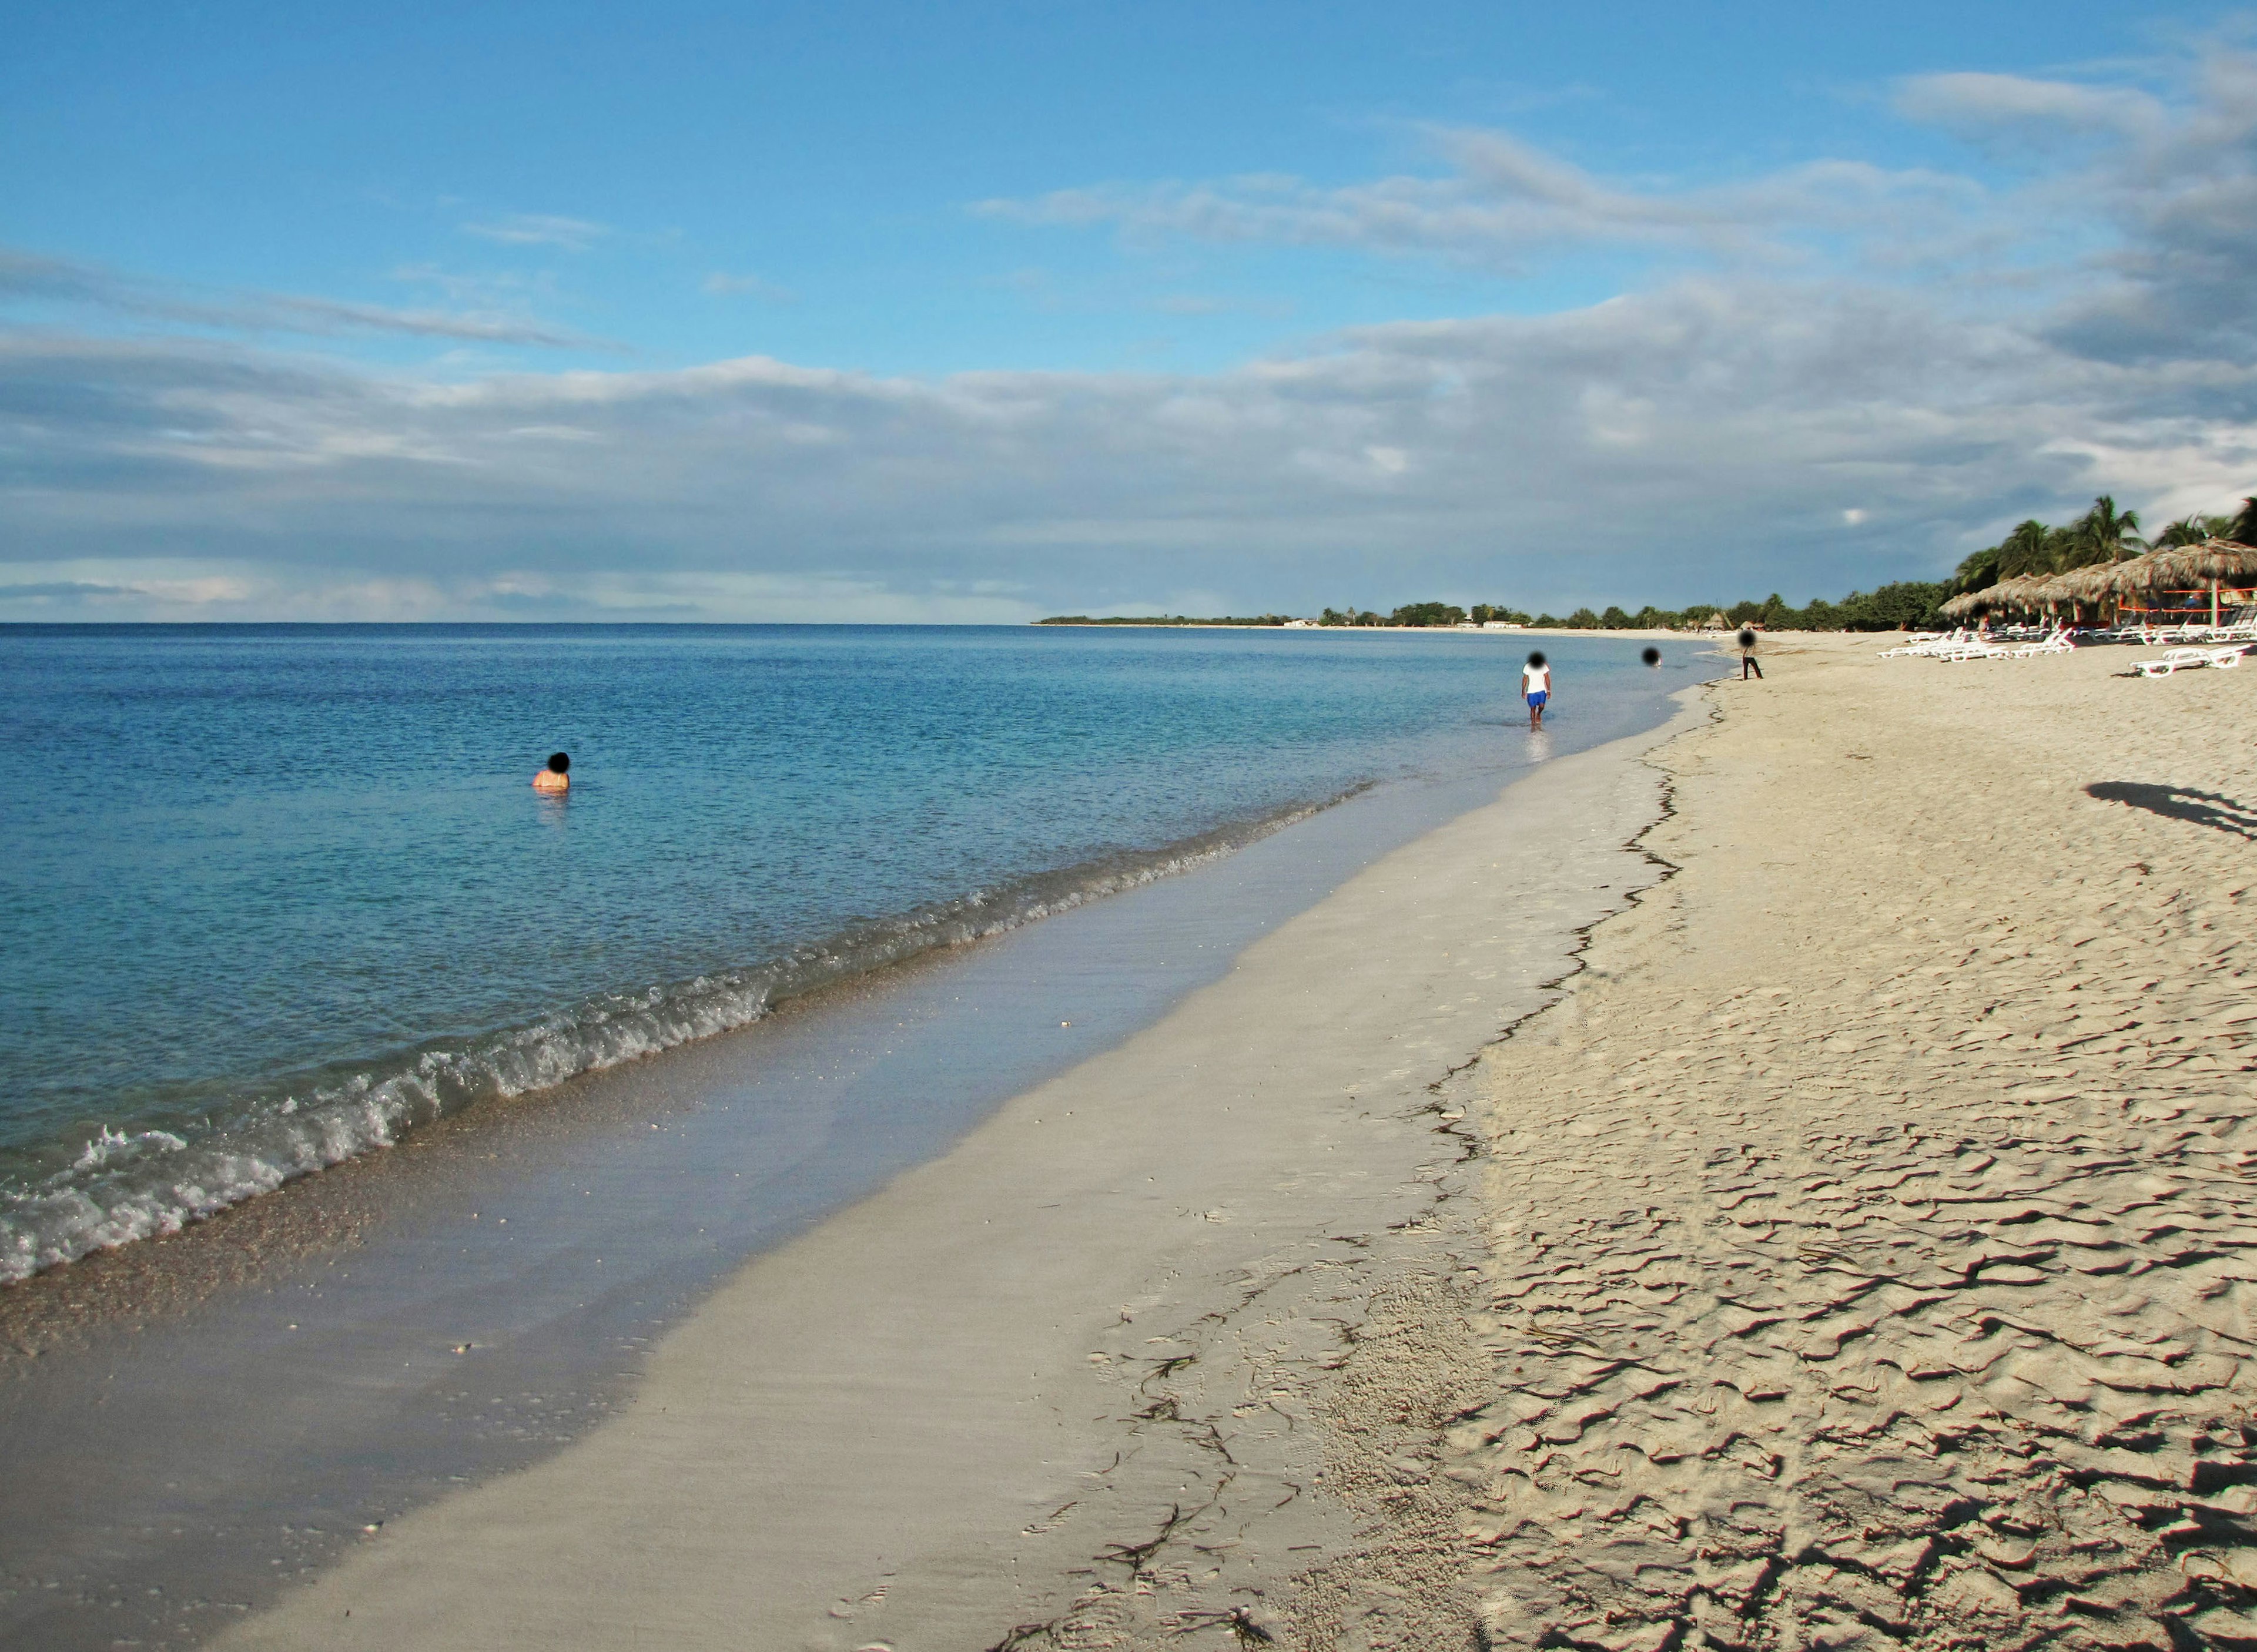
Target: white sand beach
x=1858 y=1248
x=1872 y=1242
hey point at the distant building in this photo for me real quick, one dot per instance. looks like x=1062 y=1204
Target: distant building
x=1502 y=625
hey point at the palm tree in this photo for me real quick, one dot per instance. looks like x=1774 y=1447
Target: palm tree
x=2106 y=536
x=2025 y=550
x=1978 y=572
x=2243 y=531
x=2193 y=530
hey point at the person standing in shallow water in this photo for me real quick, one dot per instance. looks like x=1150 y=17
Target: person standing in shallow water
x=1535 y=687
x=555 y=778
x=1747 y=641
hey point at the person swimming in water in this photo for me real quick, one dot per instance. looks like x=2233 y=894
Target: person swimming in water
x=555 y=777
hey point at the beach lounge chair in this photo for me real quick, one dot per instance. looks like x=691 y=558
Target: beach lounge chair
x=2176 y=660
x=2191 y=660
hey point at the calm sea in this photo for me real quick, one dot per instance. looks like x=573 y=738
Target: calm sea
x=275 y=895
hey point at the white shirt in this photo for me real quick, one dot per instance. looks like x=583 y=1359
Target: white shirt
x=1535 y=679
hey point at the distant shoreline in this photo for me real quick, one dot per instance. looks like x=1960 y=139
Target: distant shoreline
x=1648 y=633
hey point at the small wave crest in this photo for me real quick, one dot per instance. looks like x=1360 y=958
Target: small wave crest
x=128 y=1184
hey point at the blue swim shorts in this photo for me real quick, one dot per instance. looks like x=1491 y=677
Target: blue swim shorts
x=1537 y=698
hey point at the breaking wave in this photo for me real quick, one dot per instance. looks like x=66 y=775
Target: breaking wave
x=126 y=1184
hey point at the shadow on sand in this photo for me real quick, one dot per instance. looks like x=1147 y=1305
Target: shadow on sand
x=2203 y=809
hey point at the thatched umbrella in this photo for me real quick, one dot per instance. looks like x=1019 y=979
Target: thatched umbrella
x=2007 y=593
x=2177 y=567
x=2095 y=582
x=2109 y=581
x=2023 y=590
x=2214 y=560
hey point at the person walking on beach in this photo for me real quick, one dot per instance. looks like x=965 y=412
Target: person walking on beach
x=1747 y=641
x=555 y=778
x=1536 y=688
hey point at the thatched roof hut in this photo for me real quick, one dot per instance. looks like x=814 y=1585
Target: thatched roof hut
x=2212 y=562
x=2165 y=568
x=2007 y=593
x=2096 y=581
x=2024 y=591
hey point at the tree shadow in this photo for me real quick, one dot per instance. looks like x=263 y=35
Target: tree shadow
x=2202 y=808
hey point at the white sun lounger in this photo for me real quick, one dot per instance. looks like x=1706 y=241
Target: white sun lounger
x=2191 y=660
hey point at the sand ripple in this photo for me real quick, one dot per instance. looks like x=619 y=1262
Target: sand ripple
x=1873 y=1235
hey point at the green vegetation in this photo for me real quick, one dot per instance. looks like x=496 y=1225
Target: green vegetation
x=1419 y=616
x=2102 y=534
x=1907 y=603
x=1165 y=619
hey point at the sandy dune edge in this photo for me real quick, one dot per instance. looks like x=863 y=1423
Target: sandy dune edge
x=1168 y=1344
x=1873 y=1234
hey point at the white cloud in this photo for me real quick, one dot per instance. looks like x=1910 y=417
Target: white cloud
x=2049 y=110
x=1953 y=356
x=32 y=279
x=720 y=284
x=1735 y=411
x=1500 y=201
x=144 y=589
x=540 y=230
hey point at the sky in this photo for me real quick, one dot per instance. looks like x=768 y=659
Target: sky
x=976 y=313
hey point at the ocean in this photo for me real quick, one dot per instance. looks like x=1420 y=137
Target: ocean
x=278 y=895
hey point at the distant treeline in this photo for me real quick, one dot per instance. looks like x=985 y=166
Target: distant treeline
x=1909 y=603
x=1166 y=619
x=1906 y=603
x=2102 y=534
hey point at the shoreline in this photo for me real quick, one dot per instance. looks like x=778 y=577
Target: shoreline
x=1627 y=632
x=1849 y=1235
x=628 y=1195
x=350 y=1109
x=112 y=1146
x=1119 y=1291
x=1846 y=1232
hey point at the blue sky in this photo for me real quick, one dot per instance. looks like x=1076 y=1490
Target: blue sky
x=976 y=312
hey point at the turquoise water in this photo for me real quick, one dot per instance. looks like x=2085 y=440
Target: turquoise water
x=275 y=895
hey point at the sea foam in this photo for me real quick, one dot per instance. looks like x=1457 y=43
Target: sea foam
x=127 y=1185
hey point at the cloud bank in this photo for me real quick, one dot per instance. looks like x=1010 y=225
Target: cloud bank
x=1834 y=374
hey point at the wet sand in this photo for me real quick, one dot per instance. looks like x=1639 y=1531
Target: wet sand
x=1083 y=1375
x=1787 y=1185
x=191 y=1427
